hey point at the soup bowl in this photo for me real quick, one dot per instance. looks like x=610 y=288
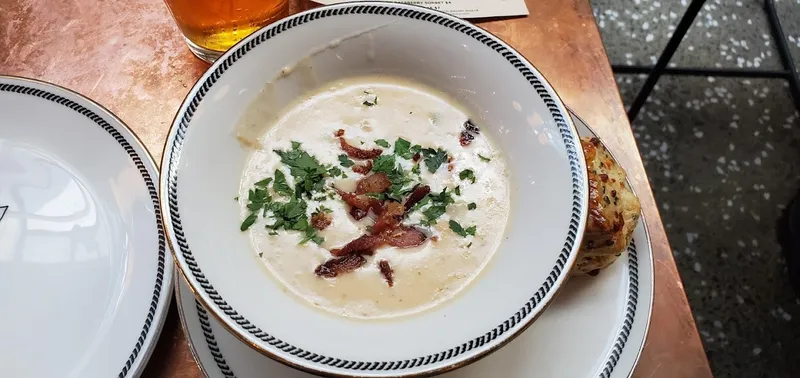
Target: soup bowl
x=204 y=159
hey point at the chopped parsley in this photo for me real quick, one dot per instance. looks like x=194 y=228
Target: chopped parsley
x=345 y=161
x=292 y=216
x=382 y=142
x=457 y=190
x=434 y=158
x=415 y=169
x=424 y=201
x=383 y=163
x=258 y=198
x=263 y=183
x=280 y=186
x=467 y=174
x=309 y=175
x=370 y=99
x=334 y=172
x=402 y=148
x=483 y=158
x=248 y=221
x=472 y=206
x=458 y=229
x=439 y=202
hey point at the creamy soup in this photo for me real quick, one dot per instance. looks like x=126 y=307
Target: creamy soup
x=372 y=113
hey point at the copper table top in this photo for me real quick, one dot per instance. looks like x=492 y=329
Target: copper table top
x=129 y=56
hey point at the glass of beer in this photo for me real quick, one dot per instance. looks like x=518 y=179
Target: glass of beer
x=212 y=26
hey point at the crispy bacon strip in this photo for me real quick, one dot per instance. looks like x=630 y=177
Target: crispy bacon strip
x=405 y=237
x=321 y=220
x=363 y=245
x=357 y=153
x=339 y=265
x=361 y=202
x=468 y=134
x=469 y=126
x=357 y=213
x=339 y=133
x=417 y=195
x=465 y=138
x=374 y=183
x=389 y=219
x=363 y=168
x=387 y=272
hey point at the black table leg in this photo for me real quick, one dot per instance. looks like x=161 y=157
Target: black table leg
x=783 y=51
x=680 y=31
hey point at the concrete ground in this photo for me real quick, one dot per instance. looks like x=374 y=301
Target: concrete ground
x=723 y=157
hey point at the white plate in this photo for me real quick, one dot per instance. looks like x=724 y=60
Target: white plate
x=203 y=162
x=84 y=277
x=595 y=328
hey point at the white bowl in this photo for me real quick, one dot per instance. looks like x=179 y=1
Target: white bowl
x=203 y=161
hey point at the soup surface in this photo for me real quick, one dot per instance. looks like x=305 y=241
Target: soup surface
x=424 y=139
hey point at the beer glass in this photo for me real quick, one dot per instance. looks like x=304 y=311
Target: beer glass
x=212 y=26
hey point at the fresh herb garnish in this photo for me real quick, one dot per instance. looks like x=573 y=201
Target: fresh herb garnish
x=383 y=163
x=322 y=209
x=434 y=158
x=415 y=169
x=382 y=142
x=309 y=174
x=263 y=183
x=280 y=186
x=402 y=148
x=467 y=174
x=258 y=198
x=248 y=221
x=345 y=161
x=433 y=213
x=334 y=172
x=472 y=206
x=370 y=99
x=292 y=216
x=458 y=229
x=483 y=158
x=457 y=190
x=439 y=202
x=424 y=201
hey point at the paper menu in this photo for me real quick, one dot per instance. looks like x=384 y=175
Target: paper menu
x=464 y=8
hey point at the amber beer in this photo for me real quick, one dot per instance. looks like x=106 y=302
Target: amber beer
x=212 y=26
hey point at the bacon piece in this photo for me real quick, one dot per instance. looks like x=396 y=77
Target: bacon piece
x=339 y=265
x=363 y=245
x=469 y=126
x=387 y=272
x=360 y=202
x=417 y=195
x=390 y=218
x=339 y=133
x=374 y=183
x=357 y=213
x=417 y=156
x=465 y=138
x=405 y=237
x=468 y=134
x=363 y=168
x=320 y=220
x=357 y=153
